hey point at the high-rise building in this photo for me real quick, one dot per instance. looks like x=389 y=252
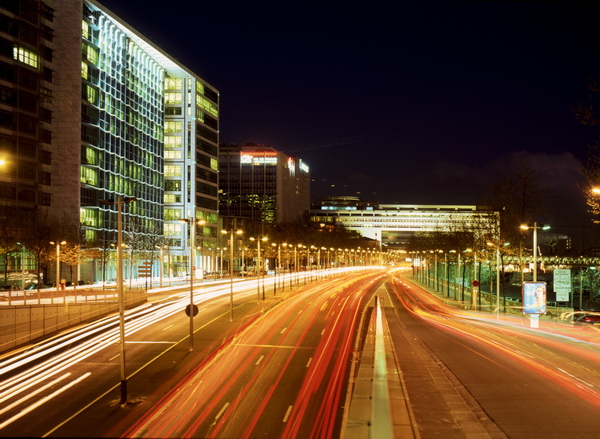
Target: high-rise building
x=261 y=185
x=27 y=66
x=103 y=113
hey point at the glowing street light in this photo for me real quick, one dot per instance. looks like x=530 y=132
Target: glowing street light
x=535 y=228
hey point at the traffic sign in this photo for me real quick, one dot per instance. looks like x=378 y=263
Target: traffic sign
x=475 y=283
x=195 y=310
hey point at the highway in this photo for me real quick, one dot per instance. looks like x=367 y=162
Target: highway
x=515 y=381
x=280 y=368
x=68 y=385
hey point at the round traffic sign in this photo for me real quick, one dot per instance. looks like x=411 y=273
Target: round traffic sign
x=475 y=283
x=194 y=311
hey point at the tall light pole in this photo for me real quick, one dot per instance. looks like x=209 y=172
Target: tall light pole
x=258 y=269
x=535 y=228
x=119 y=202
x=231 y=232
x=22 y=265
x=58 y=244
x=192 y=309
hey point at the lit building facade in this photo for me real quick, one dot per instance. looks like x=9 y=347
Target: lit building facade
x=261 y=185
x=27 y=66
x=100 y=112
x=393 y=225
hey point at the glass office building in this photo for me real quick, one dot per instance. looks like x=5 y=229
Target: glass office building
x=92 y=111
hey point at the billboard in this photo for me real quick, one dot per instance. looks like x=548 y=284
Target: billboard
x=534 y=297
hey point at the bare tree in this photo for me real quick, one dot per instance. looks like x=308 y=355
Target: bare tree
x=584 y=113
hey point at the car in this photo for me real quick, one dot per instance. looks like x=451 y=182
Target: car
x=592 y=319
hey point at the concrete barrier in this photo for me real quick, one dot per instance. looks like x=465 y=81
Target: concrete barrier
x=22 y=324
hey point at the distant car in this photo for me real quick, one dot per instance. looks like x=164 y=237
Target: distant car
x=592 y=319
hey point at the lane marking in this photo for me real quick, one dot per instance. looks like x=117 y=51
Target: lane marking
x=287 y=414
x=259 y=360
x=43 y=401
x=164 y=329
x=221 y=413
x=283 y=330
x=309 y=361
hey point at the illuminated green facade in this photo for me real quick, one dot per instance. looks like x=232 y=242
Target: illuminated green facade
x=132 y=122
x=122 y=129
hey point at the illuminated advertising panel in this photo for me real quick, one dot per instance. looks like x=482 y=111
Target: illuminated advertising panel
x=259 y=158
x=304 y=167
x=534 y=297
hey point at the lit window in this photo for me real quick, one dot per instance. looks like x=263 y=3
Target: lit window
x=85 y=30
x=84 y=70
x=207 y=106
x=172 y=171
x=172 y=83
x=89 y=176
x=173 y=155
x=173 y=229
x=172 y=141
x=26 y=56
x=173 y=98
x=172 y=127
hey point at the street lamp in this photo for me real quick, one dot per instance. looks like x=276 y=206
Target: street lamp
x=258 y=270
x=192 y=309
x=119 y=202
x=22 y=265
x=231 y=232
x=58 y=244
x=535 y=228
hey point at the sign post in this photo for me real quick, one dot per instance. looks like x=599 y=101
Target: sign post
x=562 y=284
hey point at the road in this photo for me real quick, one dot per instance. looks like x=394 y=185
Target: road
x=68 y=386
x=280 y=368
x=516 y=381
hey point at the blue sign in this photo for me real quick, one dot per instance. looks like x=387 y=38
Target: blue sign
x=534 y=297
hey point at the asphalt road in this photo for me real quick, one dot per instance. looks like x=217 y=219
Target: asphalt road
x=468 y=371
x=278 y=369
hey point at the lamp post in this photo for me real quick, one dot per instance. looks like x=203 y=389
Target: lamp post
x=231 y=232
x=258 y=270
x=22 y=265
x=119 y=202
x=58 y=244
x=192 y=310
x=535 y=228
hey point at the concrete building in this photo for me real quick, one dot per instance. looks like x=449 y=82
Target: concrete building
x=393 y=225
x=260 y=185
x=110 y=115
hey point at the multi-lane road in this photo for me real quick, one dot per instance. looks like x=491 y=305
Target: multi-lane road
x=280 y=367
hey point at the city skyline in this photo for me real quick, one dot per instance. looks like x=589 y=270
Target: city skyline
x=417 y=102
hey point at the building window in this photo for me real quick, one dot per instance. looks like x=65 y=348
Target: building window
x=26 y=57
x=173 y=229
x=173 y=83
x=172 y=171
x=89 y=176
x=173 y=98
x=172 y=214
x=172 y=127
x=173 y=141
x=173 y=154
x=45 y=199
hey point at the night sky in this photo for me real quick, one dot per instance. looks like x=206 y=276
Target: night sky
x=400 y=102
